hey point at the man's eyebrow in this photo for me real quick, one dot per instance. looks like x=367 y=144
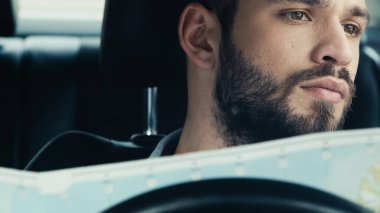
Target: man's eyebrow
x=354 y=11
x=359 y=12
x=314 y=3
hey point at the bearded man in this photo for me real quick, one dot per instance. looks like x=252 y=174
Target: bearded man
x=265 y=69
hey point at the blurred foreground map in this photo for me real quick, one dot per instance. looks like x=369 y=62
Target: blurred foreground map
x=345 y=163
x=369 y=194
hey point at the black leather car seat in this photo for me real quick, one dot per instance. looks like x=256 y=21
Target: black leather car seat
x=10 y=58
x=136 y=53
x=77 y=148
x=140 y=47
x=365 y=107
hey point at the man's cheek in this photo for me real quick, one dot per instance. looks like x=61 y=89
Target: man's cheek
x=353 y=70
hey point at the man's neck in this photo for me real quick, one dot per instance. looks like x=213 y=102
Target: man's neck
x=198 y=135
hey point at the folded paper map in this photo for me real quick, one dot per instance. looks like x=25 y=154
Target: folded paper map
x=345 y=163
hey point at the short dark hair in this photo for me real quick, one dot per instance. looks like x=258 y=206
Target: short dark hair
x=225 y=10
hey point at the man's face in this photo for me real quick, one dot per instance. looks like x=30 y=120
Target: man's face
x=288 y=67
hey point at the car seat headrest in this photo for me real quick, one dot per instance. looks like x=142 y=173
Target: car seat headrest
x=7 y=18
x=140 y=43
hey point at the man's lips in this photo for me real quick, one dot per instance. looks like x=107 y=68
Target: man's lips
x=329 y=89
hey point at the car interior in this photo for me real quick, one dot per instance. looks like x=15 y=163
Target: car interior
x=70 y=99
x=120 y=91
x=58 y=78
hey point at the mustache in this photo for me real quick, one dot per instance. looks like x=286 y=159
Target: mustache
x=317 y=72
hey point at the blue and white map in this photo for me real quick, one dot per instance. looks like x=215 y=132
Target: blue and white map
x=345 y=163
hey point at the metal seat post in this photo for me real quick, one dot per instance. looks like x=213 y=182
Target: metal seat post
x=151 y=110
x=150 y=137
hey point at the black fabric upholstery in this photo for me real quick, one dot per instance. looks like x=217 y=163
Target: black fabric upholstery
x=76 y=148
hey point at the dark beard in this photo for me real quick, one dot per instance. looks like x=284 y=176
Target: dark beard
x=251 y=106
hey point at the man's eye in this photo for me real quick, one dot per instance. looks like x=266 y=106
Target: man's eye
x=351 y=29
x=297 y=16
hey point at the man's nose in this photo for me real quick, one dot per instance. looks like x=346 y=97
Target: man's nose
x=333 y=46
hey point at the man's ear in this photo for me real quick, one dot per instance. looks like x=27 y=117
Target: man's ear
x=198 y=35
